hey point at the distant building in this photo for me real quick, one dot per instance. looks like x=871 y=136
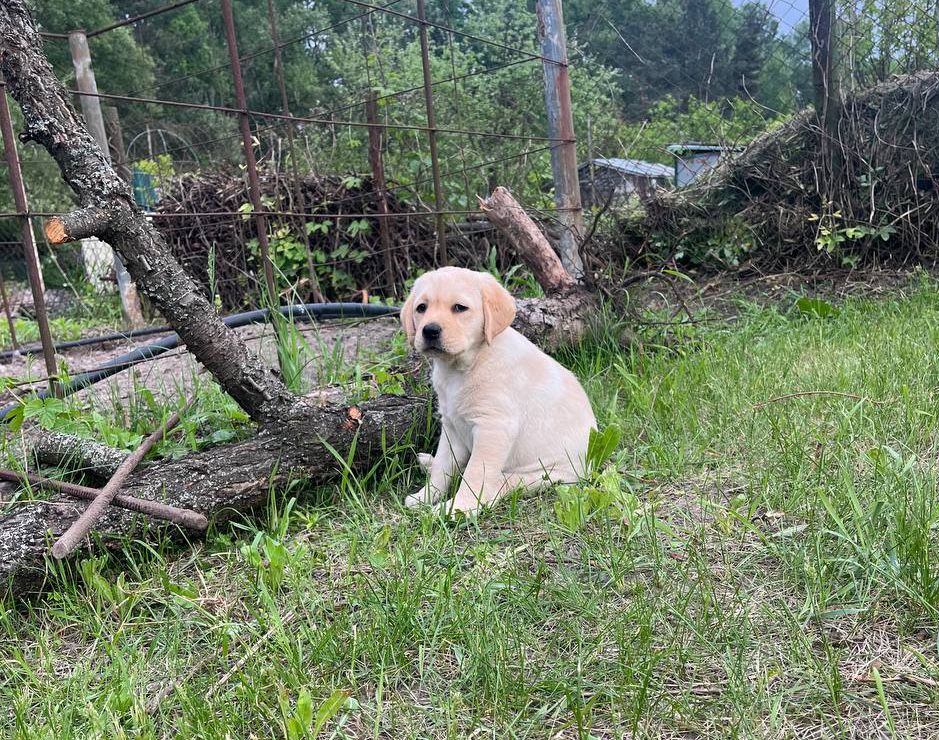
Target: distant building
x=692 y=159
x=615 y=180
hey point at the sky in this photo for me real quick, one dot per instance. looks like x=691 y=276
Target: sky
x=788 y=12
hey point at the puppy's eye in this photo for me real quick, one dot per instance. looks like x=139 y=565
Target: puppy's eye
x=459 y=308
x=421 y=308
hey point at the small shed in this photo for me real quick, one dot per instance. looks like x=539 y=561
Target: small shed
x=615 y=180
x=693 y=158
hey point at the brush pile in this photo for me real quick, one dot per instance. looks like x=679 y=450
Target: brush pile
x=795 y=196
x=332 y=232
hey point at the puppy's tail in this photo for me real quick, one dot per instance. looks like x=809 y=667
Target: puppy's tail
x=425 y=460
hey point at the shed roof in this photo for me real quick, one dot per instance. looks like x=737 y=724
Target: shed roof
x=634 y=167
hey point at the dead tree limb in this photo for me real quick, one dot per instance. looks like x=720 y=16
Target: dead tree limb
x=530 y=244
x=563 y=315
x=219 y=482
x=183 y=517
x=80 y=528
x=59 y=450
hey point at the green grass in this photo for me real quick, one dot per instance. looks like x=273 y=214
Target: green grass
x=62 y=330
x=93 y=315
x=755 y=566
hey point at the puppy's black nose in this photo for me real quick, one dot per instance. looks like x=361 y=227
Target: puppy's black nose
x=432 y=332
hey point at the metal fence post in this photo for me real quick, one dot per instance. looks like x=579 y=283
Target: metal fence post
x=557 y=94
x=94 y=120
x=11 y=324
x=34 y=270
x=432 y=136
x=378 y=182
x=291 y=150
x=254 y=185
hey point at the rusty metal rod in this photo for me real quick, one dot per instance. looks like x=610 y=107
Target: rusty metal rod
x=260 y=52
x=462 y=34
x=244 y=122
x=143 y=16
x=291 y=149
x=9 y=315
x=126 y=22
x=311 y=216
x=80 y=528
x=30 y=252
x=450 y=173
x=432 y=136
x=183 y=517
x=435 y=83
x=378 y=181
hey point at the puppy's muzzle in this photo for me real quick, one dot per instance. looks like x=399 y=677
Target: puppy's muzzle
x=431 y=334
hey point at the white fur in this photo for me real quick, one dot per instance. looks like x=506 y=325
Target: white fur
x=512 y=416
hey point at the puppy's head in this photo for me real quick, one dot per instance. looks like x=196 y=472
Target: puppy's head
x=453 y=310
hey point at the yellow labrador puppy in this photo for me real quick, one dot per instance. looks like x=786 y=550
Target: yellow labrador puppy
x=512 y=416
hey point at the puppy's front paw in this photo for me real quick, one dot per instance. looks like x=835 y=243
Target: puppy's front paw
x=455 y=507
x=425 y=460
x=418 y=498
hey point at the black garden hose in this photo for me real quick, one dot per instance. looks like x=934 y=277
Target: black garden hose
x=117 y=336
x=301 y=312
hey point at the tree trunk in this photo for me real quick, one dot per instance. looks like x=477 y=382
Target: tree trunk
x=219 y=482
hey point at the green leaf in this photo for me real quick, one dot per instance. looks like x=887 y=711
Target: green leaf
x=304 y=712
x=816 y=308
x=47 y=411
x=328 y=709
x=601 y=445
x=15 y=418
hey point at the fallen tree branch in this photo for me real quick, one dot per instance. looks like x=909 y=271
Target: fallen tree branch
x=222 y=481
x=71 y=538
x=60 y=450
x=563 y=315
x=530 y=244
x=183 y=517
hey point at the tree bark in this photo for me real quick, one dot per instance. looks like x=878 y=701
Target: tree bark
x=219 y=482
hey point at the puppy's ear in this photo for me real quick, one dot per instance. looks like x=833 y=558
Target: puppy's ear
x=498 y=309
x=407 y=318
